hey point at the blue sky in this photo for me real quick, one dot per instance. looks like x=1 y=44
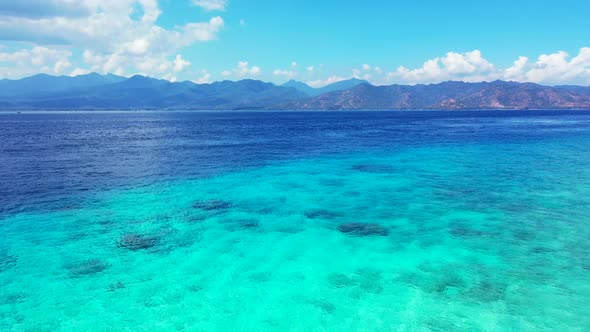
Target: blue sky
x=317 y=42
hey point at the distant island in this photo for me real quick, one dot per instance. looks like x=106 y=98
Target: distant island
x=106 y=92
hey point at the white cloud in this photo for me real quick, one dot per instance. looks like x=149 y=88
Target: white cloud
x=170 y=77
x=204 y=78
x=359 y=74
x=79 y=71
x=244 y=69
x=61 y=66
x=560 y=68
x=329 y=80
x=554 y=68
x=158 y=67
x=466 y=63
x=286 y=73
x=469 y=66
x=137 y=47
x=36 y=60
x=202 y=31
x=310 y=69
x=151 y=11
x=516 y=72
x=119 y=37
x=180 y=64
x=210 y=5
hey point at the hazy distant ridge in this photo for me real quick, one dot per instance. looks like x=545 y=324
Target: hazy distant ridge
x=94 y=91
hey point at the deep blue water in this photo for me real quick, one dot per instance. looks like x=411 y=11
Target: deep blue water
x=49 y=158
x=274 y=221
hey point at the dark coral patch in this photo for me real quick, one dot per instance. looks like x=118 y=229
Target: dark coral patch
x=85 y=268
x=353 y=193
x=332 y=182
x=541 y=250
x=137 y=242
x=363 y=229
x=260 y=277
x=341 y=280
x=247 y=224
x=325 y=306
x=116 y=286
x=371 y=286
x=467 y=232
x=7 y=261
x=212 y=205
x=486 y=291
x=322 y=214
x=524 y=235
x=242 y=224
x=195 y=219
x=383 y=169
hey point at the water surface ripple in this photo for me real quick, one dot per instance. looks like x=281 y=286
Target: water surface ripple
x=295 y=221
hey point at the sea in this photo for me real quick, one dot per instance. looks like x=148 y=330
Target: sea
x=295 y=221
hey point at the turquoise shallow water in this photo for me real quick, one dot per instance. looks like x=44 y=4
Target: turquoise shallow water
x=468 y=237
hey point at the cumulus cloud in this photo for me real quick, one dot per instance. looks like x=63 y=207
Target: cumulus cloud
x=204 y=78
x=180 y=64
x=310 y=69
x=119 y=36
x=554 y=68
x=79 y=71
x=516 y=72
x=288 y=73
x=242 y=70
x=558 y=68
x=285 y=73
x=109 y=25
x=469 y=66
x=210 y=5
x=359 y=74
x=36 y=60
x=203 y=31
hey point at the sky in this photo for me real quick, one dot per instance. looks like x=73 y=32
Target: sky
x=313 y=41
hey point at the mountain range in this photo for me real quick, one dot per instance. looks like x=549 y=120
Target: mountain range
x=312 y=92
x=95 y=91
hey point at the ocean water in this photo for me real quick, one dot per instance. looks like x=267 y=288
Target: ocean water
x=262 y=221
